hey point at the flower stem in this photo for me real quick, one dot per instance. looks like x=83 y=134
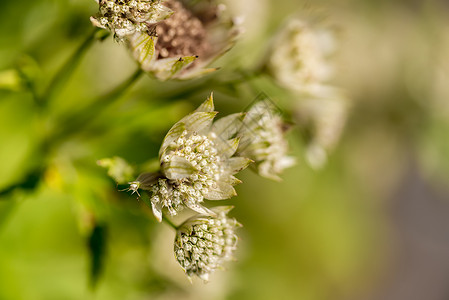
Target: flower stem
x=119 y=90
x=64 y=73
x=166 y=220
x=80 y=119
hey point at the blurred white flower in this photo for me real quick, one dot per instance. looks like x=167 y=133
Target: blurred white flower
x=323 y=115
x=204 y=243
x=299 y=57
x=263 y=140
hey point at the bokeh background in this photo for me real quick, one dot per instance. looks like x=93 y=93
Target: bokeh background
x=373 y=223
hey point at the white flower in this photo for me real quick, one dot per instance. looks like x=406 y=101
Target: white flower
x=125 y=18
x=170 y=39
x=299 y=58
x=323 y=115
x=263 y=140
x=197 y=163
x=203 y=243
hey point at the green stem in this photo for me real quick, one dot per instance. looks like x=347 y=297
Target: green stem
x=63 y=74
x=80 y=119
x=166 y=220
x=120 y=90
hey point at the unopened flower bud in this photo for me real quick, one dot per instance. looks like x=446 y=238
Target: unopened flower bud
x=204 y=243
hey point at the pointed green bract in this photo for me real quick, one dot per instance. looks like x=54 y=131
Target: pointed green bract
x=166 y=68
x=173 y=134
x=222 y=209
x=227 y=127
x=142 y=46
x=236 y=164
x=198 y=122
x=137 y=23
x=191 y=74
x=157 y=211
x=199 y=208
x=208 y=105
x=160 y=13
x=222 y=191
x=181 y=63
x=227 y=147
x=177 y=168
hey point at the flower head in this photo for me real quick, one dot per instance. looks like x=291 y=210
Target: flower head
x=299 y=56
x=203 y=243
x=127 y=17
x=170 y=39
x=263 y=140
x=197 y=163
x=323 y=115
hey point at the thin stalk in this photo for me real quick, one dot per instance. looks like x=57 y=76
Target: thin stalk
x=63 y=74
x=80 y=119
x=166 y=220
x=120 y=90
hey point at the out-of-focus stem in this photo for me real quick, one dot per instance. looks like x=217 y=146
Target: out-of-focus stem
x=80 y=119
x=64 y=73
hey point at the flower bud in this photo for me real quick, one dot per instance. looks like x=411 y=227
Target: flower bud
x=299 y=58
x=203 y=243
x=263 y=140
x=170 y=39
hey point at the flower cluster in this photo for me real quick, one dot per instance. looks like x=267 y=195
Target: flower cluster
x=263 y=140
x=197 y=162
x=203 y=243
x=126 y=17
x=300 y=62
x=170 y=39
x=299 y=59
x=324 y=115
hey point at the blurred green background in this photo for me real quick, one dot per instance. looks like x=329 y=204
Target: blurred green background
x=372 y=224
